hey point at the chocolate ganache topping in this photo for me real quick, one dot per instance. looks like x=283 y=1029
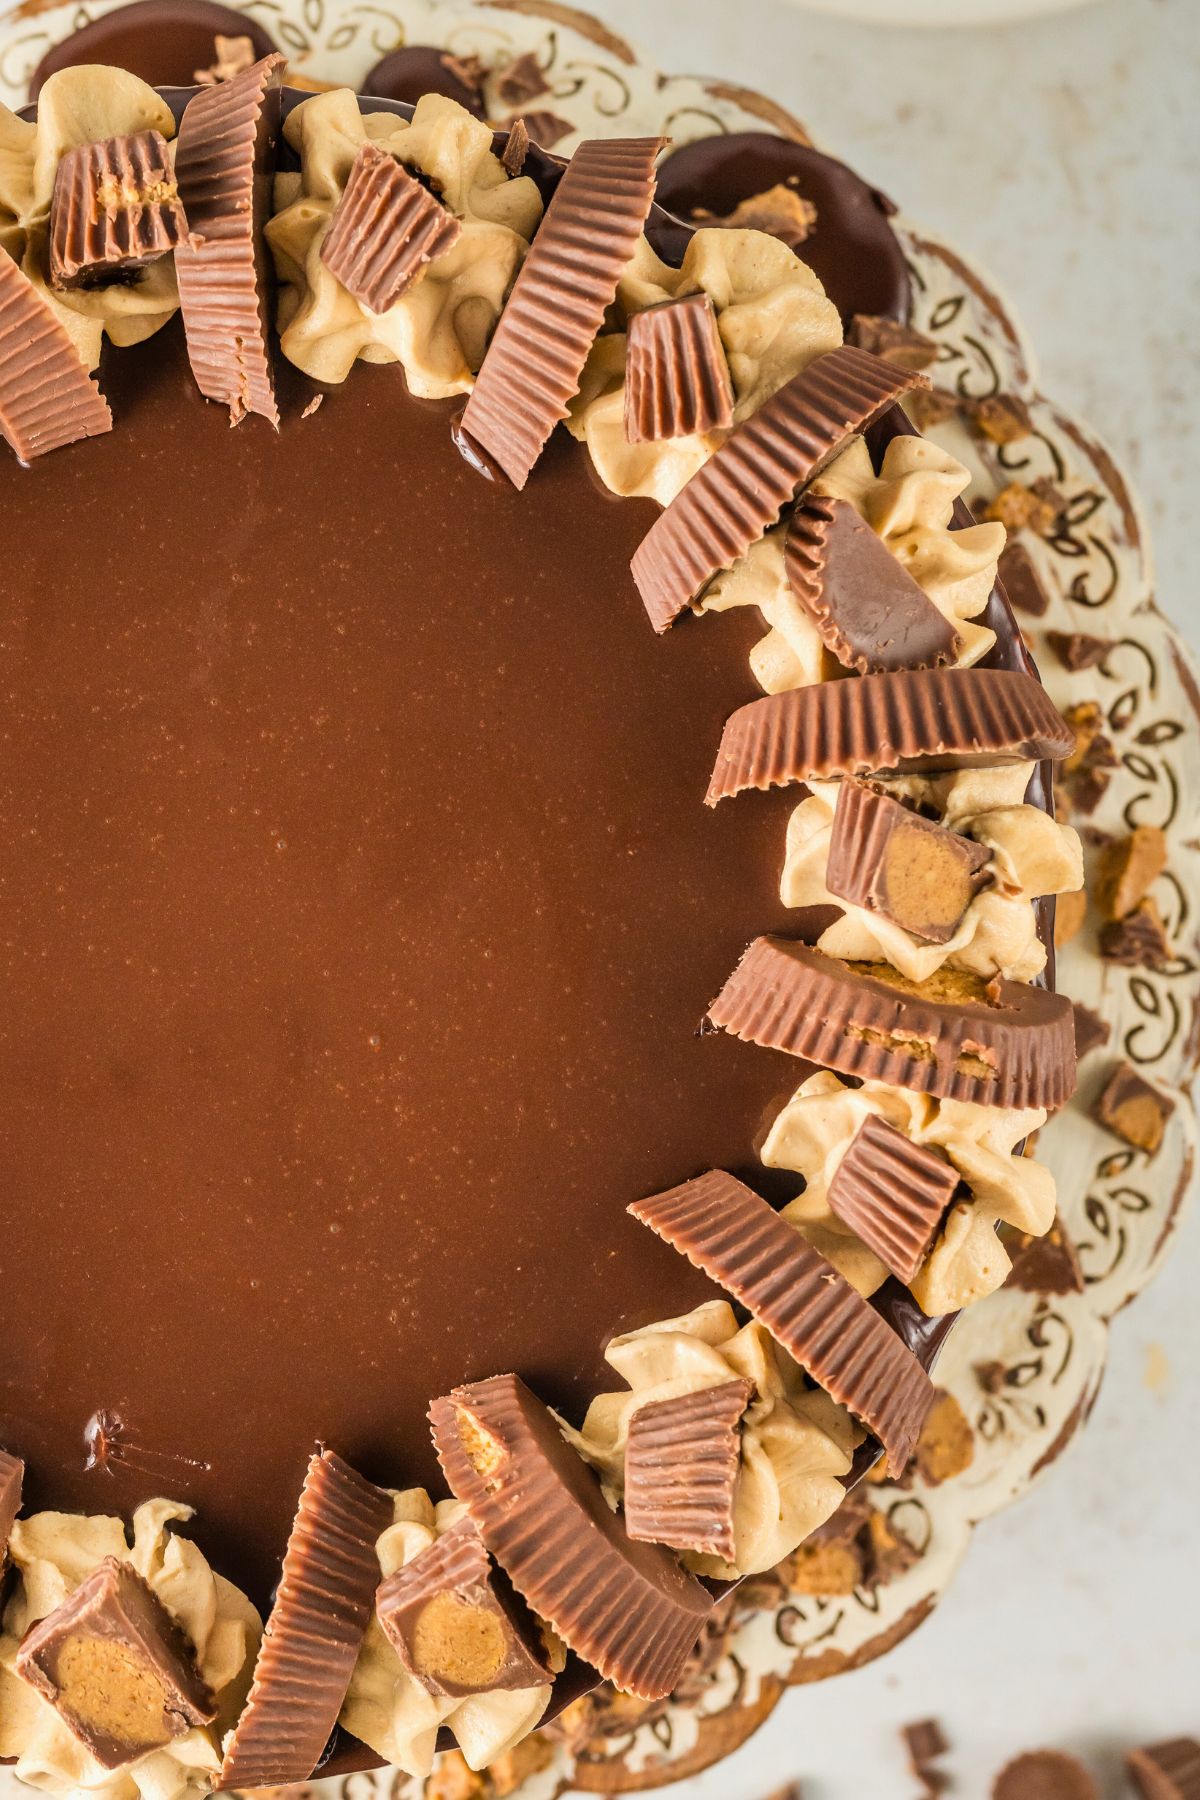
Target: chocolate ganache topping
x=358 y=928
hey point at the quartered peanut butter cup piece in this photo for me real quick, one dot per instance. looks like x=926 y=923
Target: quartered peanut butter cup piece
x=888 y=858
x=914 y=720
x=450 y=1626
x=677 y=379
x=223 y=164
x=12 y=1478
x=742 y=489
x=821 y=1321
x=866 y=606
x=1004 y=1043
x=322 y=1606
x=115 y=208
x=47 y=397
x=386 y=228
x=627 y=1608
x=892 y=1194
x=1044 y=1775
x=557 y=305
x=1166 y=1771
x=116 y=1668
x=682 y=1458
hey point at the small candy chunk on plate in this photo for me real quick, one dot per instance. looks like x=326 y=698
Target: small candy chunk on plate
x=115 y=208
x=891 y=860
x=387 y=227
x=1166 y=1771
x=1044 y=1775
x=1133 y=1109
x=742 y=489
x=677 y=379
x=116 y=1668
x=558 y=301
x=627 y=1608
x=682 y=1458
x=869 y=611
x=729 y=1232
x=916 y=721
x=1000 y=1043
x=450 y=1626
x=322 y=1608
x=12 y=1477
x=892 y=1194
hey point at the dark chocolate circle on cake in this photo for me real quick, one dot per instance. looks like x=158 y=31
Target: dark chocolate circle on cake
x=422 y=69
x=163 y=41
x=851 y=247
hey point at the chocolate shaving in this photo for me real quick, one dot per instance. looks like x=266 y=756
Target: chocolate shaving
x=451 y=1628
x=1134 y=1110
x=12 y=1477
x=677 y=380
x=115 y=208
x=895 y=342
x=891 y=860
x=682 y=1458
x=869 y=611
x=1044 y=1775
x=892 y=1194
x=558 y=301
x=517 y=147
x=1003 y=1044
x=47 y=397
x=821 y=1321
x=625 y=1607
x=1166 y=1771
x=385 y=230
x=223 y=164
x=914 y=720
x=322 y=1607
x=521 y=80
x=116 y=1668
x=741 y=490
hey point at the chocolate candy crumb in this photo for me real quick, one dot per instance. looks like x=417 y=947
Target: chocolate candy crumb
x=677 y=380
x=517 y=147
x=521 y=80
x=1075 y=650
x=543 y=127
x=223 y=164
x=47 y=397
x=231 y=56
x=1166 y=1771
x=779 y=211
x=896 y=343
x=1005 y=1043
x=726 y=1230
x=892 y=1194
x=12 y=1477
x=889 y=859
x=116 y=1668
x=682 y=1458
x=1044 y=1775
x=1043 y=1265
x=558 y=301
x=628 y=1608
x=741 y=490
x=312 y=1640
x=866 y=606
x=1134 y=1110
x=115 y=208
x=1127 y=870
x=1139 y=940
x=1001 y=418
x=385 y=230
x=1021 y=581
x=1091 y=1031
x=449 y=1625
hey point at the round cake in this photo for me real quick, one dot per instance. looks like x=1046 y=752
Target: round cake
x=375 y=973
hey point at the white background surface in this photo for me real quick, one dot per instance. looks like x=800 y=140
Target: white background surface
x=1064 y=156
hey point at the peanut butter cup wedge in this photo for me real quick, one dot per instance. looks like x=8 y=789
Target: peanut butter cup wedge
x=682 y=1459
x=115 y=208
x=47 y=397
x=887 y=858
x=628 y=1608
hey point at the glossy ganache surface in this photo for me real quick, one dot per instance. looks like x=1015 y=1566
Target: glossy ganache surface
x=358 y=913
